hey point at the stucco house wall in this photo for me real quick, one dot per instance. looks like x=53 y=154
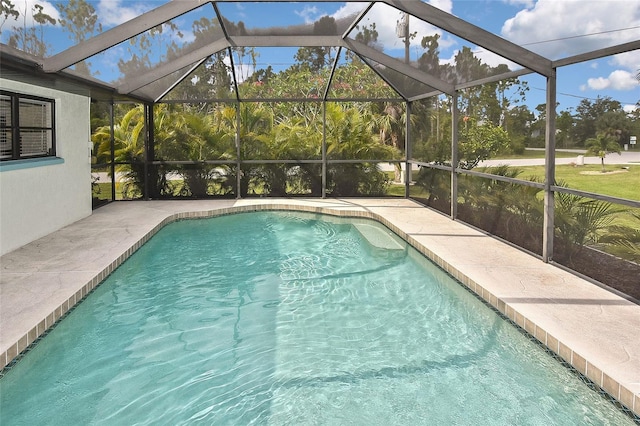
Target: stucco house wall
x=40 y=196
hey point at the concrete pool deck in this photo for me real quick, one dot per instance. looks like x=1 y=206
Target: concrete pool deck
x=594 y=330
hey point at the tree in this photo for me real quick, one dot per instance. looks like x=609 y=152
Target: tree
x=390 y=125
x=539 y=126
x=212 y=79
x=291 y=138
x=349 y=137
x=7 y=9
x=565 y=127
x=30 y=40
x=469 y=68
x=128 y=137
x=80 y=19
x=197 y=136
x=602 y=145
x=519 y=120
x=150 y=48
x=616 y=124
x=622 y=240
x=587 y=115
x=429 y=61
x=316 y=58
x=477 y=142
x=256 y=122
x=368 y=35
x=501 y=95
x=579 y=221
x=355 y=79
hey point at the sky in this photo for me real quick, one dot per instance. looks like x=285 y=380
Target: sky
x=552 y=28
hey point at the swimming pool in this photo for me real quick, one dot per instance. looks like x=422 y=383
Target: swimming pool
x=289 y=318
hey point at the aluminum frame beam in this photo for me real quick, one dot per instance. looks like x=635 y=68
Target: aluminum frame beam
x=475 y=35
x=494 y=78
x=286 y=41
x=425 y=96
x=369 y=52
x=356 y=21
x=120 y=33
x=176 y=64
x=382 y=77
x=179 y=80
x=333 y=70
x=531 y=61
x=597 y=54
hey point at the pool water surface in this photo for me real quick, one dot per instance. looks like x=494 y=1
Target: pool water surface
x=289 y=318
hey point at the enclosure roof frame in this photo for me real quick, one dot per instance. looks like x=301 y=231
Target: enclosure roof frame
x=434 y=85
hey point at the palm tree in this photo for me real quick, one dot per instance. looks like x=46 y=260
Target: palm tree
x=256 y=122
x=349 y=138
x=623 y=240
x=602 y=145
x=390 y=125
x=580 y=221
x=293 y=139
x=129 y=148
x=198 y=138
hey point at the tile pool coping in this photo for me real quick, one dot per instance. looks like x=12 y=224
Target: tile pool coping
x=591 y=329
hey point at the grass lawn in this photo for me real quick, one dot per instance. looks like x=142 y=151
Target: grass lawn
x=622 y=184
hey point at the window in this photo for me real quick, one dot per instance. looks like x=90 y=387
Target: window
x=26 y=127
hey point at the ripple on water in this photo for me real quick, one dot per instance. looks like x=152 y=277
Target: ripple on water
x=281 y=318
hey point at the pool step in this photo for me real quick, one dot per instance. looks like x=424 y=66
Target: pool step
x=379 y=237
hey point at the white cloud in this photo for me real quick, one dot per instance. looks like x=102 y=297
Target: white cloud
x=240 y=10
x=242 y=71
x=349 y=9
x=628 y=60
x=599 y=83
x=493 y=60
x=525 y=3
x=385 y=17
x=26 y=8
x=310 y=14
x=485 y=56
x=445 y=5
x=617 y=80
x=114 y=12
x=567 y=21
x=628 y=108
x=566 y=26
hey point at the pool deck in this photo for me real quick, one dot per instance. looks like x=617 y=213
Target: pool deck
x=594 y=330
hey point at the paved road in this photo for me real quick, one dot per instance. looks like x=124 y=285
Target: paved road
x=625 y=158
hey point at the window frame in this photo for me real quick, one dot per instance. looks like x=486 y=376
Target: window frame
x=16 y=130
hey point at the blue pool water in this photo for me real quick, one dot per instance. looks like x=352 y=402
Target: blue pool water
x=289 y=318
